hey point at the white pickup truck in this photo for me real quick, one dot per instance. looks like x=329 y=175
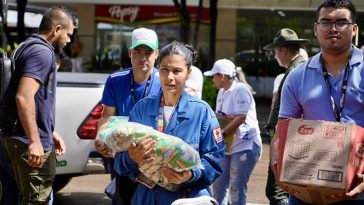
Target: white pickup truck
x=77 y=114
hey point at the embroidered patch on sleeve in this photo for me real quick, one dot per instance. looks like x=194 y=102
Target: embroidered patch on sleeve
x=218 y=135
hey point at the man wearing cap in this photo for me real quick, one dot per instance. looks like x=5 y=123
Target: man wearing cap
x=126 y=87
x=235 y=108
x=286 y=46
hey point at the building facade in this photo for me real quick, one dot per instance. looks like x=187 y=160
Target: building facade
x=243 y=28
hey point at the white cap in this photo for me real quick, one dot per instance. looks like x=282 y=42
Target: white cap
x=222 y=66
x=144 y=36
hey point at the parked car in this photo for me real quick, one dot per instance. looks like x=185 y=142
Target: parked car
x=260 y=63
x=78 y=110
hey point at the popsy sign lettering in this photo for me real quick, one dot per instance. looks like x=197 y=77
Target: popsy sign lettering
x=118 y=12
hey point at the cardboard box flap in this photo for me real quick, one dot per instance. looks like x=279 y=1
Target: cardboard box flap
x=315 y=195
x=356 y=161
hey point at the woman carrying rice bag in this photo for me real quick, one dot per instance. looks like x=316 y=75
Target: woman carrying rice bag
x=176 y=113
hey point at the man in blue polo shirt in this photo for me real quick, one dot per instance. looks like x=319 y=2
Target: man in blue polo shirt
x=32 y=143
x=126 y=87
x=329 y=86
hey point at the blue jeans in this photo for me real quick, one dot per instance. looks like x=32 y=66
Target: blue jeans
x=237 y=169
x=295 y=201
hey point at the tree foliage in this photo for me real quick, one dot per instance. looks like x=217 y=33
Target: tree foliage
x=185 y=20
x=185 y=27
x=21 y=5
x=213 y=23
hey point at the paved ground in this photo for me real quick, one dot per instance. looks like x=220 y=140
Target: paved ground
x=257 y=181
x=256 y=186
x=88 y=190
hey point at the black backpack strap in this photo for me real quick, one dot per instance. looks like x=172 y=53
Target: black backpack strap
x=12 y=113
x=26 y=44
x=31 y=42
x=19 y=50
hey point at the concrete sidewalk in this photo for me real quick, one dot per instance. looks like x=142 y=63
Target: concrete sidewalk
x=257 y=181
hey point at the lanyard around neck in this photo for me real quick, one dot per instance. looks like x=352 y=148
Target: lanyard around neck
x=132 y=90
x=337 y=111
x=162 y=125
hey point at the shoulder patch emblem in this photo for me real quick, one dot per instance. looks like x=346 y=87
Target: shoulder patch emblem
x=217 y=135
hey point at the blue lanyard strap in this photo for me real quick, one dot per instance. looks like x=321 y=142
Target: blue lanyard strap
x=337 y=111
x=132 y=91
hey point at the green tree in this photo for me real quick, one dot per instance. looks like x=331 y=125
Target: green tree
x=185 y=20
x=21 y=8
x=213 y=25
x=197 y=24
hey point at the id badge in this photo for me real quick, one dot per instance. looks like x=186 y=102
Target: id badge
x=145 y=181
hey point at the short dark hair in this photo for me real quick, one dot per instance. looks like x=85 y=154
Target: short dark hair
x=292 y=48
x=57 y=15
x=338 y=4
x=178 y=48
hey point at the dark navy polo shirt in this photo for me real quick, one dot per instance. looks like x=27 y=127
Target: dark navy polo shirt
x=38 y=62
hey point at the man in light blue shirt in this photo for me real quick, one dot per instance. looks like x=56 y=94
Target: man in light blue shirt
x=329 y=86
x=305 y=93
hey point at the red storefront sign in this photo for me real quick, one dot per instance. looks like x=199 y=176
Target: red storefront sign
x=144 y=14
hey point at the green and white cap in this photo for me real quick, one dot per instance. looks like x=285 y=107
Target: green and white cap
x=144 y=36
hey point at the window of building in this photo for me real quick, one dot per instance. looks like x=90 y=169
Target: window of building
x=115 y=23
x=256 y=28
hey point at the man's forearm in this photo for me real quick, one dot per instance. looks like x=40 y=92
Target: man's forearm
x=26 y=113
x=102 y=122
x=234 y=124
x=107 y=112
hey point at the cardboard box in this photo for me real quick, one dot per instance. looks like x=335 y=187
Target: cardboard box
x=224 y=120
x=318 y=160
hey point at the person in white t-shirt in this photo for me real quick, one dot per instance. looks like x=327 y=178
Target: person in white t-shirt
x=303 y=53
x=277 y=82
x=240 y=77
x=194 y=83
x=235 y=108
